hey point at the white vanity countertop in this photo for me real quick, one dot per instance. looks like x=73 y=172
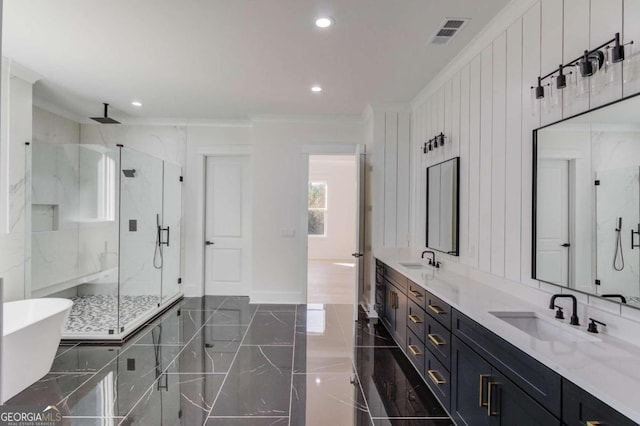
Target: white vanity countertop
x=609 y=369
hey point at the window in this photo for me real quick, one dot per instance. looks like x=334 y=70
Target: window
x=318 y=208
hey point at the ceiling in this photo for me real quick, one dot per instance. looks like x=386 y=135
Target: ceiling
x=230 y=59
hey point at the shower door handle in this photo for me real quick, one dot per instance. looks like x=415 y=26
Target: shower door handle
x=633 y=234
x=168 y=229
x=160 y=230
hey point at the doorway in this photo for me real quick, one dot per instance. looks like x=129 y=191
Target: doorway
x=228 y=225
x=553 y=245
x=332 y=229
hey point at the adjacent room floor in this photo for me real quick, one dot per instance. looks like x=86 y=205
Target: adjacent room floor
x=222 y=361
x=331 y=281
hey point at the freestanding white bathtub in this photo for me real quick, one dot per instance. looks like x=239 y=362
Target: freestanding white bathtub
x=31 y=331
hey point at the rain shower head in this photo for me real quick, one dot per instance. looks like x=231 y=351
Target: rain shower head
x=129 y=172
x=106 y=119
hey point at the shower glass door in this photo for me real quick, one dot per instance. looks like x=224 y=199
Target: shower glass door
x=618 y=212
x=171 y=217
x=141 y=236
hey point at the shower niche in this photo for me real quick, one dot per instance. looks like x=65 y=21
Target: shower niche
x=105 y=231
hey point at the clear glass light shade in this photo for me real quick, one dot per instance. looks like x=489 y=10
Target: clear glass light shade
x=631 y=58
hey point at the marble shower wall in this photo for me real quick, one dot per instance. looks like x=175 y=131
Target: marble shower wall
x=618 y=195
x=12 y=244
x=54 y=200
x=142 y=198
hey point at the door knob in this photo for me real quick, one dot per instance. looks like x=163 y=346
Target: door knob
x=209 y=243
x=566 y=245
x=356 y=254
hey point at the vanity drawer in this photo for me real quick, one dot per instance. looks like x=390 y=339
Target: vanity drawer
x=438 y=309
x=396 y=278
x=415 y=351
x=438 y=378
x=416 y=319
x=416 y=293
x=437 y=339
x=580 y=408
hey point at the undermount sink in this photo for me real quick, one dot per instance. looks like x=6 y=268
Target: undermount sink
x=542 y=328
x=412 y=265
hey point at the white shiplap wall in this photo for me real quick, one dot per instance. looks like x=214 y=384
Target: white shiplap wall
x=483 y=106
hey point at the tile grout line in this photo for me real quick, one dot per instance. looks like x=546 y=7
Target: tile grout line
x=170 y=362
x=235 y=356
x=92 y=375
x=293 y=358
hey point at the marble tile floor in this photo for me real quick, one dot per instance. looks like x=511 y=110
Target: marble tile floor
x=223 y=361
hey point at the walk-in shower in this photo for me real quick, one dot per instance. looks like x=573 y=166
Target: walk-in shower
x=99 y=216
x=617 y=216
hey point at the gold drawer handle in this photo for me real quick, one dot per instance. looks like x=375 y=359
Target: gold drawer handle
x=415 y=293
x=481 y=402
x=434 y=378
x=414 y=350
x=437 y=309
x=490 y=411
x=437 y=340
x=594 y=423
x=415 y=319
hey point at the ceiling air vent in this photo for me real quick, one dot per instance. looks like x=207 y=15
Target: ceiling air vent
x=448 y=30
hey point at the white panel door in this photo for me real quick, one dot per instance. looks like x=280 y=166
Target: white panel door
x=552 y=222
x=228 y=226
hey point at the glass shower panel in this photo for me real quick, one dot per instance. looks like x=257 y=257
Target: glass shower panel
x=141 y=254
x=617 y=211
x=172 y=215
x=74 y=232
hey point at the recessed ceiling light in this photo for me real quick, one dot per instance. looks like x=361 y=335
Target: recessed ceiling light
x=136 y=103
x=316 y=89
x=324 y=22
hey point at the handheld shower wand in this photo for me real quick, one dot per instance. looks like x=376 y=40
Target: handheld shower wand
x=618 y=264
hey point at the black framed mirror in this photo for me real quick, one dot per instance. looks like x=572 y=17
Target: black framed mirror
x=586 y=202
x=443 y=201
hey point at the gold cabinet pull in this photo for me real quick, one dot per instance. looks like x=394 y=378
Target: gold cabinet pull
x=414 y=350
x=594 y=423
x=490 y=411
x=481 y=402
x=415 y=293
x=437 y=309
x=415 y=319
x=436 y=340
x=433 y=375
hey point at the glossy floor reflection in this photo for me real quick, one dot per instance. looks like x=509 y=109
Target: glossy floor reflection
x=223 y=361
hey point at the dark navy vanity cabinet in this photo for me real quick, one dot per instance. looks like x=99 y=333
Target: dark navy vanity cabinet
x=479 y=378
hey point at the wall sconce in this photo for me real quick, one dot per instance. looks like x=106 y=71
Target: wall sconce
x=539 y=89
x=617 y=51
x=561 y=79
x=432 y=144
x=587 y=65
